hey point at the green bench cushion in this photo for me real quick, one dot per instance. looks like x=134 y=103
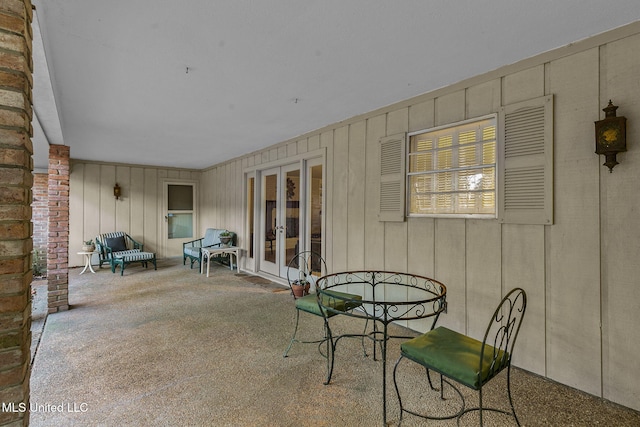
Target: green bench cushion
x=309 y=303
x=454 y=355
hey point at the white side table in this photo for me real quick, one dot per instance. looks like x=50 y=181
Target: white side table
x=207 y=253
x=87 y=261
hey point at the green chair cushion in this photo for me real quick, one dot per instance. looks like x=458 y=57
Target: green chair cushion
x=309 y=303
x=454 y=355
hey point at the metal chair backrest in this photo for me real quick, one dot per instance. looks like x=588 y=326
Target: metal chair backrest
x=306 y=266
x=502 y=331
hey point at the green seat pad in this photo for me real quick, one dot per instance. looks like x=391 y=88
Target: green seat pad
x=309 y=303
x=454 y=355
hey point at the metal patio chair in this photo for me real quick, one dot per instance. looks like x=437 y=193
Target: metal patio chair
x=304 y=269
x=465 y=360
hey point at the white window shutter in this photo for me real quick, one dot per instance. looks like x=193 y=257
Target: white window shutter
x=525 y=169
x=392 y=177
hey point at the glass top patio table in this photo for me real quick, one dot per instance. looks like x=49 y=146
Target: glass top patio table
x=386 y=297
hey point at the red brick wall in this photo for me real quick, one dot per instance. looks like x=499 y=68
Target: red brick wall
x=16 y=181
x=40 y=218
x=58 y=246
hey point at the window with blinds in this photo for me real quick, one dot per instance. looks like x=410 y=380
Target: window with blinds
x=452 y=169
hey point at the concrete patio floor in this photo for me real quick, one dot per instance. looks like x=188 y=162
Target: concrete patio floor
x=174 y=348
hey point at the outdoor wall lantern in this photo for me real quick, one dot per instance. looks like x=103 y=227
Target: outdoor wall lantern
x=117 y=191
x=611 y=135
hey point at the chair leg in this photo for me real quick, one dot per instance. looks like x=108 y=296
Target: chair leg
x=479 y=405
x=443 y=381
x=513 y=409
x=481 y=408
x=295 y=334
x=293 y=338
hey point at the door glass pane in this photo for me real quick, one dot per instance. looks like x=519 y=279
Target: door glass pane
x=270 y=217
x=250 y=212
x=180 y=197
x=180 y=212
x=180 y=225
x=292 y=214
x=315 y=213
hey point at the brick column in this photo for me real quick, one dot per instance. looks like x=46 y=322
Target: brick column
x=15 y=211
x=40 y=218
x=58 y=250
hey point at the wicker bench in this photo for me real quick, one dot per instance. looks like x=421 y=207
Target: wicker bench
x=124 y=259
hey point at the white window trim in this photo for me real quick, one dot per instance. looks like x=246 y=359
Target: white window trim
x=493 y=116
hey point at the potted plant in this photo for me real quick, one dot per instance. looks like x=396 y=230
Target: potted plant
x=88 y=246
x=300 y=287
x=225 y=237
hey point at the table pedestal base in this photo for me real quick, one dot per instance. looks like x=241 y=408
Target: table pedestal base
x=87 y=261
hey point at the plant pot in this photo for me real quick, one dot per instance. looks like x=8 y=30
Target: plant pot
x=88 y=248
x=225 y=240
x=300 y=290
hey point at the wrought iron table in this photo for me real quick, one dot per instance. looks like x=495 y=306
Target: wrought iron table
x=386 y=297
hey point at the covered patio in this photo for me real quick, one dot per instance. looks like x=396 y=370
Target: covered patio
x=574 y=249
x=173 y=347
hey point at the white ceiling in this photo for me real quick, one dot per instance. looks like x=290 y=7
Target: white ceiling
x=196 y=82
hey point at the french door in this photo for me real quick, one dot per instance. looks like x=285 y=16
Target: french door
x=288 y=218
x=279 y=229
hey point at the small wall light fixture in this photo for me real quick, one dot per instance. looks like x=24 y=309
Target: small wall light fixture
x=611 y=135
x=117 y=192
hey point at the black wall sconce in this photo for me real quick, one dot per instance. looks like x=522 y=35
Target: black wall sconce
x=611 y=135
x=117 y=192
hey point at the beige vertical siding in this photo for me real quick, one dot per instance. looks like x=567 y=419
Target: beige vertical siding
x=620 y=229
x=576 y=272
x=373 y=229
x=136 y=186
x=94 y=210
x=326 y=142
x=338 y=179
x=356 y=190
